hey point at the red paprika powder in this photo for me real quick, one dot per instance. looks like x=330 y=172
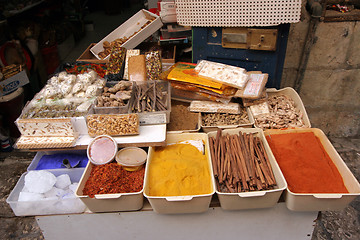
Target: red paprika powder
x=112 y=178
x=305 y=164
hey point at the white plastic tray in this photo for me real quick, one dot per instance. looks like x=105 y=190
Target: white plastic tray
x=322 y=201
x=298 y=104
x=253 y=199
x=108 y=202
x=46 y=207
x=181 y=204
x=245 y=125
x=128 y=28
x=38 y=155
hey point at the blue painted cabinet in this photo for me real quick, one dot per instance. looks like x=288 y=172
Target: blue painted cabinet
x=206 y=44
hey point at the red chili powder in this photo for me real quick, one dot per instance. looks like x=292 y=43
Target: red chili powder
x=112 y=178
x=305 y=164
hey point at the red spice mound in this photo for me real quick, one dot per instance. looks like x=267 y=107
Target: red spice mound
x=112 y=178
x=305 y=164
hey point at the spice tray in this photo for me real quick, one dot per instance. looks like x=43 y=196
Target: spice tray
x=46 y=206
x=207 y=129
x=88 y=56
x=115 y=125
x=290 y=92
x=176 y=119
x=254 y=199
x=151 y=117
x=78 y=124
x=108 y=202
x=322 y=201
x=197 y=129
x=34 y=163
x=111 y=110
x=180 y=204
x=134 y=29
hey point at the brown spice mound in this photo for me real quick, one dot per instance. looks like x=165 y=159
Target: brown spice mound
x=112 y=178
x=181 y=118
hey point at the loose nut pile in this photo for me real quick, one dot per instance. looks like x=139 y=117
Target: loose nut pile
x=283 y=114
x=108 y=46
x=218 y=119
x=115 y=96
x=113 y=125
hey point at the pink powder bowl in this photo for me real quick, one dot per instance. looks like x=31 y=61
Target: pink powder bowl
x=102 y=150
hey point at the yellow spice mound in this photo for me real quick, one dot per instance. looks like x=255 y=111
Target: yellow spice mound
x=179 y=170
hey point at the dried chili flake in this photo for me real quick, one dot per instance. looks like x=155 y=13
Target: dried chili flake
x=112 y=178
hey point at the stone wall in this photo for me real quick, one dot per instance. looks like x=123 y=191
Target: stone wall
x=330 y=88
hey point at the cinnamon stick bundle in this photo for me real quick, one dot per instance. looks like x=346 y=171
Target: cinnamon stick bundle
x=213 y=155
x=240 y=163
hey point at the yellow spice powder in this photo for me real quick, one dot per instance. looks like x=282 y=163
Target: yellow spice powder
x=179 y=170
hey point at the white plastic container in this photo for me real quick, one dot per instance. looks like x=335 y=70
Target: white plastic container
x=290 y=92
x=94 y=157
x=180 y=204
x=155 y=117
x=128 y=28
x=34 y=163
x=322 y=201
x=46 y=207
x=108 y=202
x=224 y=127
x=253 y=199
x=131 y=158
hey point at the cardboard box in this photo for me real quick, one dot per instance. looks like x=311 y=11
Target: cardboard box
x=11 y=84
x=253 y=199
x=88 y=56
x=169 y=60
x=167 y=6
x=168 y=17
x=132 y=29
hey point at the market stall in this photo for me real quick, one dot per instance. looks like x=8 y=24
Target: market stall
x=126 y=146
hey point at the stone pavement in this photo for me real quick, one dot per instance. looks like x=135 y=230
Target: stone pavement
x=330 y=224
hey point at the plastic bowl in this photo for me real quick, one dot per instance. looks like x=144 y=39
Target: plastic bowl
x=102 y=150
x=131 y=158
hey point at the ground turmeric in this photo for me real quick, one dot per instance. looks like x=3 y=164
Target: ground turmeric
x=179 y=170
